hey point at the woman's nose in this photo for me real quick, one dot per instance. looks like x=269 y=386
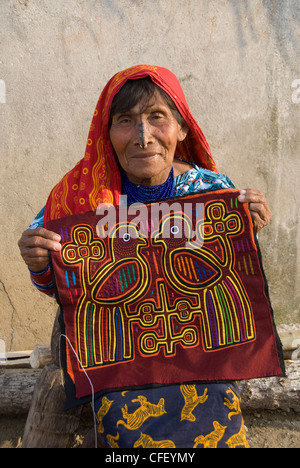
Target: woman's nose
x=144 y=134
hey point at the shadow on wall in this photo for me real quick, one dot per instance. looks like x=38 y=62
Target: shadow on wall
x=282 y=16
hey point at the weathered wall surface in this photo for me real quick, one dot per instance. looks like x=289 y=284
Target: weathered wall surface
x=238 y=62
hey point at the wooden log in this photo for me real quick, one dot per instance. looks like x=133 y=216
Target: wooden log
x=48 y=425
x=16 y=359
x=55 y=340
x=290 y=338
x=40 y=356
x=10 y=355
x=16 y=390
x=17 y=386
x=275 y=392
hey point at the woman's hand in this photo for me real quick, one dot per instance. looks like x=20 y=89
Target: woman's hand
x=34 y=246
x=259 y=209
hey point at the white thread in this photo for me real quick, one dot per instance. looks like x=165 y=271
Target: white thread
x=89 y=380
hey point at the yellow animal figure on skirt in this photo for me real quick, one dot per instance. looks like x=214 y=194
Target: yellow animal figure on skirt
x=112 y=440
x=146 y=410
x=192 y=400
x=239 y=439
x=212 y=439
x=234 y=405
x=106 y=404
x=145 y=441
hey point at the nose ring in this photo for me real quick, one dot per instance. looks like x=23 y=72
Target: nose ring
x=144 y=146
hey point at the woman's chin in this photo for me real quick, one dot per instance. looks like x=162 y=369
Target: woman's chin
x=149 y=171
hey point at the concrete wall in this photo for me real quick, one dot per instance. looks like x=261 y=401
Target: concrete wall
x=237 y=60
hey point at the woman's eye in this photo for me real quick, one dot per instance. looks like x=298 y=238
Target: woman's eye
x=157 y=116
x=124 y=120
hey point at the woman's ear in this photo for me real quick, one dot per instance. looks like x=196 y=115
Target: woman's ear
x=182 y=133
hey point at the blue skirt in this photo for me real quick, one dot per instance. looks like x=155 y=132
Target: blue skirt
x=174 y=416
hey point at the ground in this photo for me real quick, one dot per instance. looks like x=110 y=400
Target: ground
x=273 y=429
x=265 y=429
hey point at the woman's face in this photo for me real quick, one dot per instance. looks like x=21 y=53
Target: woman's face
x=145 y=141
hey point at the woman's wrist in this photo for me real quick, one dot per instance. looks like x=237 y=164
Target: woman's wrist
x=39 y=272
x=42 y=280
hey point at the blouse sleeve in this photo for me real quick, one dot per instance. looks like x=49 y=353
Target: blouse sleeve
x=199 y=180
x=42 y=280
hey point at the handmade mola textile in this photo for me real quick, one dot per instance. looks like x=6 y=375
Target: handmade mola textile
x=174 y=295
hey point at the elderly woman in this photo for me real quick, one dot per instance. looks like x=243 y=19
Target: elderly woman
x=145 y=143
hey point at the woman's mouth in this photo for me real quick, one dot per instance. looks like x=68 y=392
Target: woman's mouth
x=148 y=155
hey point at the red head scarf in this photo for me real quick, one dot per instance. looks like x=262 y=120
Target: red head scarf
x=96 y=178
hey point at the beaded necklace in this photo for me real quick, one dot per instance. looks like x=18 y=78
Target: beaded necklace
x=142 y=193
